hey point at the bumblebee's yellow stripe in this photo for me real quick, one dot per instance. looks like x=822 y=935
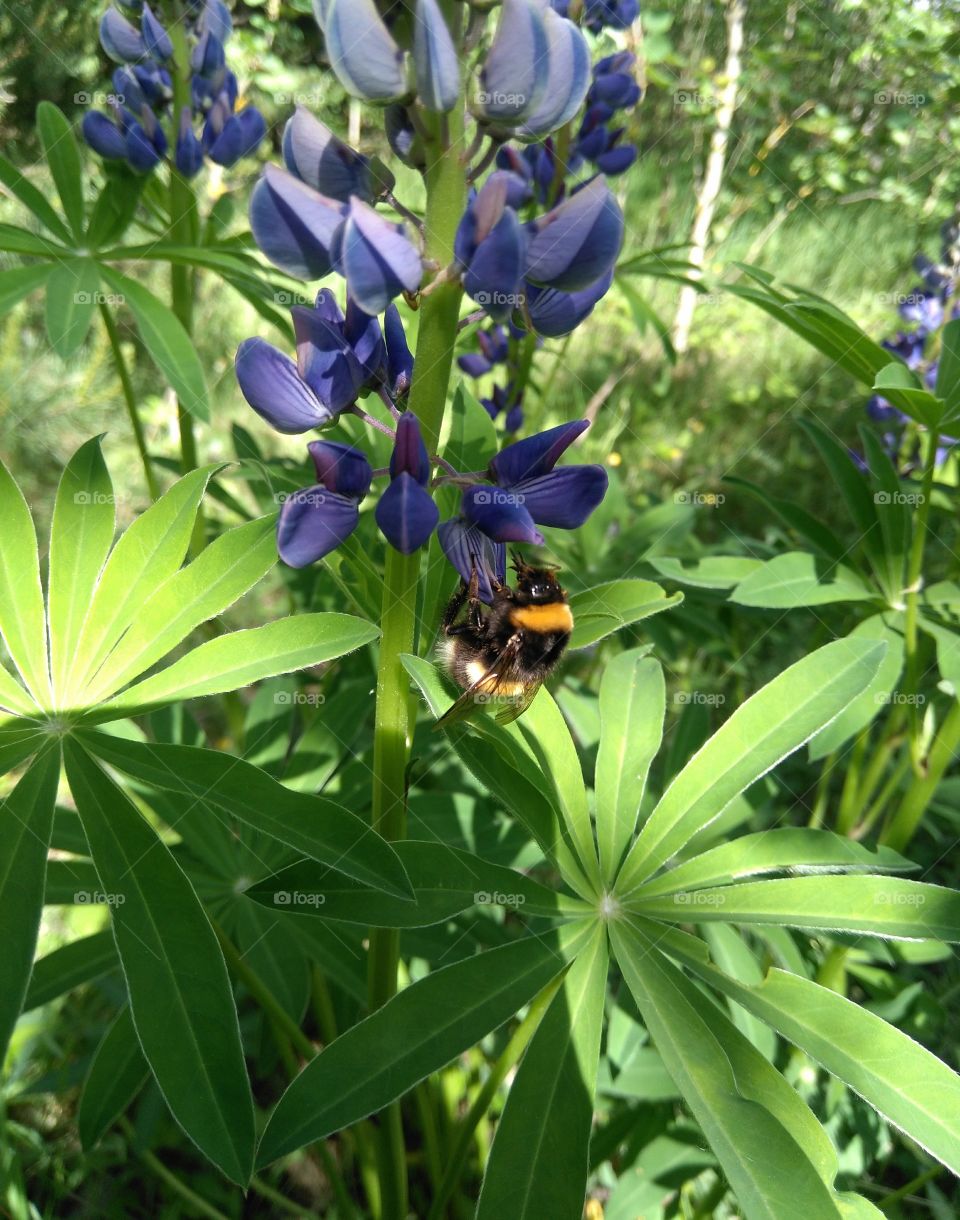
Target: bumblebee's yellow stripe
x=508 y=690
x=553 y=617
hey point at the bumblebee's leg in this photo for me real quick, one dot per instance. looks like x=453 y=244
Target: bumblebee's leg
x=454 y=606
x=475 y=612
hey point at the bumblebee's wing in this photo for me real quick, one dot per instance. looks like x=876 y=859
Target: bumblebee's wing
x=487 y=685
x=518 y=704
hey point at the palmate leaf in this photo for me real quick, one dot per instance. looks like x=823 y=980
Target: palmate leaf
x=63 y=158
x=33 y=199
x=22 y=617
x=417 y=1032
x=19 y=282
x=71 y=299
x=539 y=1161
x=776 y=1156
x=118 y=1071
x=771 y=724
x=77 y=962
x=180 y=996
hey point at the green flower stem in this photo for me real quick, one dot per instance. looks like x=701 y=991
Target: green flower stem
x=481 y=1104
x=911 y=1187
x=263 y=995
x=393 y=726
x=130 y=399
x=914 y=578
x=904 y=822
x=199 y=1205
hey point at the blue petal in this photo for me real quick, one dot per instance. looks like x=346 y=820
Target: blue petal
x=362 y=52
x=293 y=225
x=103 y=135
x=216 y=20
x=410 y=454
x=128 y=90
x=141 y=153
x=495 y=271
x=466 y=547
x=399 y=356
x=121 y=41
x=270 y=383
x=556 y=313
x=241 y=136
x=566 y=497
x=568 y=77
x=435 y=58
x=535 y=455
x=324 y=360
x=617 y=160
x=315 y=155
x=365 y=338
x=341 y=468
x=500 y=514
x=188 y=154
x=377 y=259
x=473 y=364
x=577 y=242
x=155 y=37
x=406 y=514
x=313 y=522
x=514 y=73
x=208 y=58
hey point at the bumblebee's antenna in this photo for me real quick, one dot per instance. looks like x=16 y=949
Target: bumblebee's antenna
x=517 y=561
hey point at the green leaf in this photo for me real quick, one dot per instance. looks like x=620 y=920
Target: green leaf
x=84 y=520
x=711 y=572
x=116 y=204
x=794 y=518
x=63 y=157
x=445 y=881
x=645 y=315
x=19 y=282
x=947 y=640
x=798 y=578
x=147 y=554
x=222 y=572
x=69 y=966
x=893 y=512
x=899 y=386
x=632 y=704
x=33 y=199
x=167 y=342
x=948 y=370
x=740 y=1101
x=13 y=697
x=22 y=241
x=901 y=1079
x=771 y=724
x=243 y=657
x=23 y=620
x=877 y=906
x=540 y=1157
x=418 y=1032
x=853 y=487
x=118 y=1071
x=26 y=822
x=784 y=849
x=546 y=732
x=862 y=710
x=319 y=828
x=180 y=995
x=600 y=611
x=71 y=299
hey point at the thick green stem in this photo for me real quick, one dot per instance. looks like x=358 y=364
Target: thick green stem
x=914 y=582
x=130 y=399
x=446 y=195
x=902 y=826
x=481 y=1104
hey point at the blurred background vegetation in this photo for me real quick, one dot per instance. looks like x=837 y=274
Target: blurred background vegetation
x=841 y=166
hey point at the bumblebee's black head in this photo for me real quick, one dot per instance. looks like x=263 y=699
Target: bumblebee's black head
x=535 y=586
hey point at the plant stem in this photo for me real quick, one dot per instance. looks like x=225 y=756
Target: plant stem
x=914 y=581
x=903 y=824
x=130 y=399
x=446 y=196
x=481 y=1103
x=903 y=1192
x=263 y=995
x=155 y=1165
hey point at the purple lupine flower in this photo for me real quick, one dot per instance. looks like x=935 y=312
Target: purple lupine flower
x=514 y=74
x=316 y=520
x=406 y=513
x=435 y=58
x=466 y=548
x=577 y=242
x=337 y=356
x=568 y=77
x=376 y=258
x=104 y=136
x=555 y=313
x=317 y=157
x=362 y=51
x=490 y=246
x=527 y=492
x=188 y=153
x=294 y=225
x=399 y=356
x=156 y=40
x=122 y=41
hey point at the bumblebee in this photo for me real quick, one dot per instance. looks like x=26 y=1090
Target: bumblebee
x=503 y=654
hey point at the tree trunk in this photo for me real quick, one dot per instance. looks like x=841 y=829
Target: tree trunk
x=713 y=175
